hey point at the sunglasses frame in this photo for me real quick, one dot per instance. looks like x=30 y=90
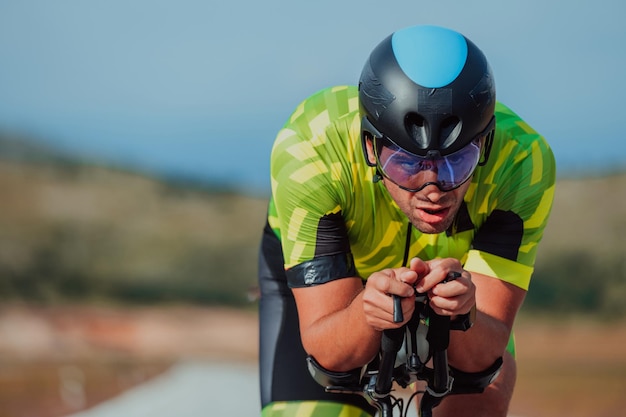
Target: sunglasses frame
x=487 y=134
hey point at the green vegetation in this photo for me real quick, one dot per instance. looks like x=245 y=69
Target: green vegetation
x=579 y=282
x=582 y=263
x=71 y=231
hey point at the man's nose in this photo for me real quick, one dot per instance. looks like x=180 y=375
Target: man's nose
x=432 y=192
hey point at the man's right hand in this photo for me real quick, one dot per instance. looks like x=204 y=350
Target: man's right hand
x=379 y=288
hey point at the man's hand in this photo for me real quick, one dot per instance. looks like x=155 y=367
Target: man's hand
x=380 y=286
x=449 y=298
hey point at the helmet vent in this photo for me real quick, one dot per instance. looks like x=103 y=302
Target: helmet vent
x=449 y=130
x=415 y=126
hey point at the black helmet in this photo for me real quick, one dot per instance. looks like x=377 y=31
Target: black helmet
x=429 y=90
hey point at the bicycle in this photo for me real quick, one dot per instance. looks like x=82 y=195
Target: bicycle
x=404 y=355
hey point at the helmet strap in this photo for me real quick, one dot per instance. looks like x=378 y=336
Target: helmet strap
x=487 y=151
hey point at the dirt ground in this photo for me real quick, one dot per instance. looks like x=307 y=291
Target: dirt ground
x=56 y=361
x=571 y=368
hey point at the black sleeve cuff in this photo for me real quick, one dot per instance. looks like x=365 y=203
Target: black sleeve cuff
x=321 y=270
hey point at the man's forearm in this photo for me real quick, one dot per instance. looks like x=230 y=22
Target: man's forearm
x=477 y=348
x=342 y=340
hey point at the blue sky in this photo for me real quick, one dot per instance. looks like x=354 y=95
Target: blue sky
x=200 y=89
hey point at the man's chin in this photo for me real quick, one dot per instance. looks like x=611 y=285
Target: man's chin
x=429 y=229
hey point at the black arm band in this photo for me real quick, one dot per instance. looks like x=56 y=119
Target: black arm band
x=320 y=270
x=348 y=380
x=474 y=382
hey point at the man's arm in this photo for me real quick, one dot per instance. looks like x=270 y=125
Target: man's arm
x=332 y=321
x=497 y=304
x=341 y=321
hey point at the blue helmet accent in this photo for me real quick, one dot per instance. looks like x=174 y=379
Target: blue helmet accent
x=444 y=52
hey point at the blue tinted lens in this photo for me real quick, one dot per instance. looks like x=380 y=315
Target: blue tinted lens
x=414 y=172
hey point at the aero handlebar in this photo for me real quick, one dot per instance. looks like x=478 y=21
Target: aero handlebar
x=423 y=339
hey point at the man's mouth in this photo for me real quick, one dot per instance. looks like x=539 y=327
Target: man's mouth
x=434 y=215
x=432 y=210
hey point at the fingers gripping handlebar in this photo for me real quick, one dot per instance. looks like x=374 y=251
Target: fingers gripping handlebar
x=398 y=316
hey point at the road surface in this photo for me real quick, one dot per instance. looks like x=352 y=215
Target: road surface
x=189 y=389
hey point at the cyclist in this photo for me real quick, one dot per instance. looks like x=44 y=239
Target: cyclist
x=388 y=187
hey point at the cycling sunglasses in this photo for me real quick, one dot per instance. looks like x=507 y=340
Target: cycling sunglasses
x=413 y=172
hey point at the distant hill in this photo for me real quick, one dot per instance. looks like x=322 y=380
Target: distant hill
x=79 y=231
x=70 y=230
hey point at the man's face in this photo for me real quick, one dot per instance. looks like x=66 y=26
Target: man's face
x=429 y=209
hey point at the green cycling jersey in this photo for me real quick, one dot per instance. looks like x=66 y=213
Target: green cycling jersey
x=325 y=201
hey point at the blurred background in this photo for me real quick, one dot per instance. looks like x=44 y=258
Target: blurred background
x=134 y=163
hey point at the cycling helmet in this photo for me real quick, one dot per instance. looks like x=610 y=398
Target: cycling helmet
x=429 y=90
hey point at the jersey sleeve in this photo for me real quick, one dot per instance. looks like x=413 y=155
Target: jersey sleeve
x=302 y=195
x=308 y=181
x=519 y=189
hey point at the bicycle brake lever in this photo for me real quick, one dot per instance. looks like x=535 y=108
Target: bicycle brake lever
x=398 y=316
